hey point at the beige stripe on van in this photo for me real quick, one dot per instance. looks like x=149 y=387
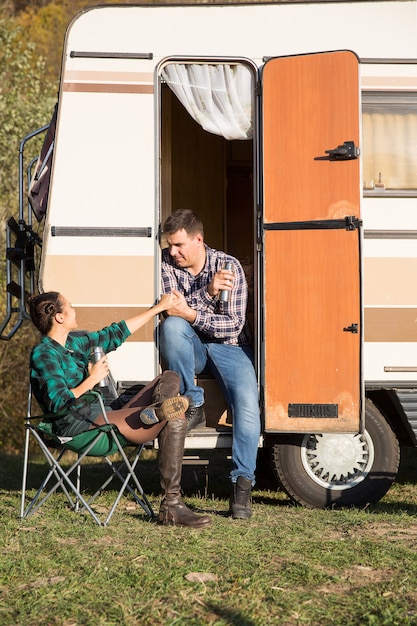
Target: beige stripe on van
x=390 y=281
x=106 y=88
x=94 y=318
x=389 y=82
x=101 y=280
x=390 y=325
x=107 y=82
x=108 y=77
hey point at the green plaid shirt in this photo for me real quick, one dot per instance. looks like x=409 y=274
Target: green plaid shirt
x=56 y=369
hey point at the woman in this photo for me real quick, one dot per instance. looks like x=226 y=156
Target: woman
x=61 y=372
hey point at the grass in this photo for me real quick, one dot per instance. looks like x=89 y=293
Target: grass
x=287 y=566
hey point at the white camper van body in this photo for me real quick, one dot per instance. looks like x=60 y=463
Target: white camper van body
x=115 y=178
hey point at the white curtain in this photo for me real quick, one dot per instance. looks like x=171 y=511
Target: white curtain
x=389 y=137
x=219 y=97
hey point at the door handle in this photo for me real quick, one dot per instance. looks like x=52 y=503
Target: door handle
x=346 y=152
x=353 y=328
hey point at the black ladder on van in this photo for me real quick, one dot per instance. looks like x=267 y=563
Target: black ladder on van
x=21 y=244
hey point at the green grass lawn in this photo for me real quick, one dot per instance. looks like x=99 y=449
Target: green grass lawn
x=286 y=566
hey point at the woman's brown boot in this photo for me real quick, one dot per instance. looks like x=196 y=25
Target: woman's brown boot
x=173 y=511
x=166 y=403
x=168 y=386
x=171 y=409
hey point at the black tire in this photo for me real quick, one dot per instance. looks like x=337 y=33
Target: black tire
x=336 y=470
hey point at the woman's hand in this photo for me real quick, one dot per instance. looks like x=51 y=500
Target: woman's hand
x=170 y=300
x=167 y=301
x=96 y=373
x=180 y=308
x=99 y=370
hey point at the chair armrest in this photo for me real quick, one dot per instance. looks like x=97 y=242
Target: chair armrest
x=78 y=403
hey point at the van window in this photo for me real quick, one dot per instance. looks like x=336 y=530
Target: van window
x=389 y=143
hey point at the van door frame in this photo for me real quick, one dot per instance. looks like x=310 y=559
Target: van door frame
x=161 y=184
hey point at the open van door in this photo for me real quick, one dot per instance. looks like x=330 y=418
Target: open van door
x=322 y=452
x=311 y=244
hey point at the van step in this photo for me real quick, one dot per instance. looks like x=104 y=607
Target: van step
x=205 y=438
x=408 y=401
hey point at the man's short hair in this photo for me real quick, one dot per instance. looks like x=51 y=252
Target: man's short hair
x=183 y=219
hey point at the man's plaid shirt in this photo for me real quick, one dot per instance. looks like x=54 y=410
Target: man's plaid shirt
x=216 y=321
x=56 y=369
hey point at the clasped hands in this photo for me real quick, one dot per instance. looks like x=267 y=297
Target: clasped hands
x=175 y=304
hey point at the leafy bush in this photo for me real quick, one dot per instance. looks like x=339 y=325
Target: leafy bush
x=26 y=103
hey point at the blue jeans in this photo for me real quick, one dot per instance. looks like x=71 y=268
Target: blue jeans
x=188 y=354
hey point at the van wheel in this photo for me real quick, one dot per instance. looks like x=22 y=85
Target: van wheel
x=335 y=470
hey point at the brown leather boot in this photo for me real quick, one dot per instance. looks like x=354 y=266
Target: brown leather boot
x=173 y=511
x=166 y=404
x=170 y=409
x=168 y=386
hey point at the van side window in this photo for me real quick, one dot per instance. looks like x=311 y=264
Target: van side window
x=389 y=143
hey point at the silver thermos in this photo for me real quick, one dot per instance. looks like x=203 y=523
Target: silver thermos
x=96 y=354
x=224 y=294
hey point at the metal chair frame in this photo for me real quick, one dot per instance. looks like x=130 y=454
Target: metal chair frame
x=125 y=472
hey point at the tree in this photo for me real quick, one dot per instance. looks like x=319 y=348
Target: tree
x=26 y=103
x=47 y=27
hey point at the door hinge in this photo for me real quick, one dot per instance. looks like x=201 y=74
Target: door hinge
x=352 y=222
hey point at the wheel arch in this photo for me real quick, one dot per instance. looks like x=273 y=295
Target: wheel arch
x=305 y=482
x=388 y=404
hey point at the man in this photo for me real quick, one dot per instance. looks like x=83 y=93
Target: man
x=203 y=330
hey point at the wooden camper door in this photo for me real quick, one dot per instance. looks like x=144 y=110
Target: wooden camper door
x=311 y=244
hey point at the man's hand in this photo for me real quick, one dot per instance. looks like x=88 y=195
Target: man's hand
x=181 y=308
x=221 y=281
x=169 y=300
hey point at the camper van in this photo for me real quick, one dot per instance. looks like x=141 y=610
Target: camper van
x=290 y=128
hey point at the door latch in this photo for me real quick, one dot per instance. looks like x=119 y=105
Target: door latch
x=353 y=328
x=345 y=152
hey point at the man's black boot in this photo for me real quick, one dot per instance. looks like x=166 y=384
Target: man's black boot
x=240 y=499
x=195 y=416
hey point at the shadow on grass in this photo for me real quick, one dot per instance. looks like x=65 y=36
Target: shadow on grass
x=407 y=472
x=394 y=507
x=230 y=617
x=198 y=481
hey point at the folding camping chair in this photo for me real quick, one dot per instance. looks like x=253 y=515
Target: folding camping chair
x=103 y=441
